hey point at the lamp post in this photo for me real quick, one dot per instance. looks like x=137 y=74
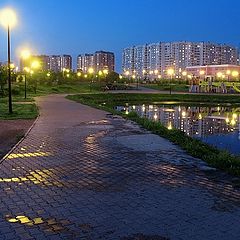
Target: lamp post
x=170 y=73
x=35 y=65
x=91 y=72
x=27 y=70
x=105 y=72
x=25 y=54
x=8 y=20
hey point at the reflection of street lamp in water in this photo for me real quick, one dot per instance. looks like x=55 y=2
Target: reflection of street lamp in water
x=170 y=73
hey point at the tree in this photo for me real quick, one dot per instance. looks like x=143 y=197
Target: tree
x=112 y=77
x=3 y=79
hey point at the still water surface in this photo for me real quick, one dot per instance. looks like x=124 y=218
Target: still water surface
x=217 y=125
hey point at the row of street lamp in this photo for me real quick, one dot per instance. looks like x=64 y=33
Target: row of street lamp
x=171 y=72
x=8 y=20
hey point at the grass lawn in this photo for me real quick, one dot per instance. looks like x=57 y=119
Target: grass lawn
x=29 y=110
x=216 y=158
x=166 y=87
x=20 y=111
x=137 y=98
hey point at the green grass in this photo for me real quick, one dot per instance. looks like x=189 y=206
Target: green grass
x=84 y=87
x=216 y=158
x=112 y=100
x=166 y=87
x=20 y=111
x=30 y=111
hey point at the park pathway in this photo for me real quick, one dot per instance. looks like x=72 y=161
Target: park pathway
x=84 y=174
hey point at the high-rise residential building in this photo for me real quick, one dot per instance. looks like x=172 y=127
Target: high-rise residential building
x=60 y=62
x=153 y=60
x=55 y=63
x=104 y=60
x=99 y=61
x=84 y=62
x=66 y=62
x=44 y=62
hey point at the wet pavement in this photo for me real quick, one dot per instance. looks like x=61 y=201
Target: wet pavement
x=84 y=174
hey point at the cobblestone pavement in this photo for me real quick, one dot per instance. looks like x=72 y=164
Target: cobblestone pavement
x=83 y=174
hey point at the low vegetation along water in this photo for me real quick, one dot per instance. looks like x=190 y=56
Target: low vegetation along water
x=215 y=125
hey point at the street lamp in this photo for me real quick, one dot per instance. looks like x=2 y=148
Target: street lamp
x=25 y=54
x=235 y=74
x=219 y=74
x=35 y=65
x=228 y=72
x=202 y=73
x=26 y=70
x=8 y=20
x=170 y=73
x=105 y=71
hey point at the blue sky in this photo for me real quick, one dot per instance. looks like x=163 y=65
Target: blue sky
x=80 y=26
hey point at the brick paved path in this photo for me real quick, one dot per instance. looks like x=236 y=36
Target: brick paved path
x=81 y=174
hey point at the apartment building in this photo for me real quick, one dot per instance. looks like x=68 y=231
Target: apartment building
x=55 y=63
x=99 y=61
x=152 y=60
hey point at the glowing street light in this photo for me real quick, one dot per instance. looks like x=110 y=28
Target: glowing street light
x=25 y=55
x=26 y=69
x=90 y=70
x=79 y=74
x=228 y=72
x=219 y=74
x=35 y=64
x=105 y=71
x=202 y=73
x=170 y=126
x=48 y=74
x=170 y=73
x=8 y=20
x=12 y=66
x=184 y=73
x=235 y=73
x=127 y=73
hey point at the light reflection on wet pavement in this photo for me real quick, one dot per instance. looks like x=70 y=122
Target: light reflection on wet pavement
x=77 y=178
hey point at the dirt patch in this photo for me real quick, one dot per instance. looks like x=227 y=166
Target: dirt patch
x=11 y=131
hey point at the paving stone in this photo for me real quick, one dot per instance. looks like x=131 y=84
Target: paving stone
x=81 y=174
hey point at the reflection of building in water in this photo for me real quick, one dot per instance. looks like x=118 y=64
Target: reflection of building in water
x=200 y=121
x=215 y=125
x=194 y=121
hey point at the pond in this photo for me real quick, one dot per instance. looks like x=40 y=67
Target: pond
x=215 y=125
